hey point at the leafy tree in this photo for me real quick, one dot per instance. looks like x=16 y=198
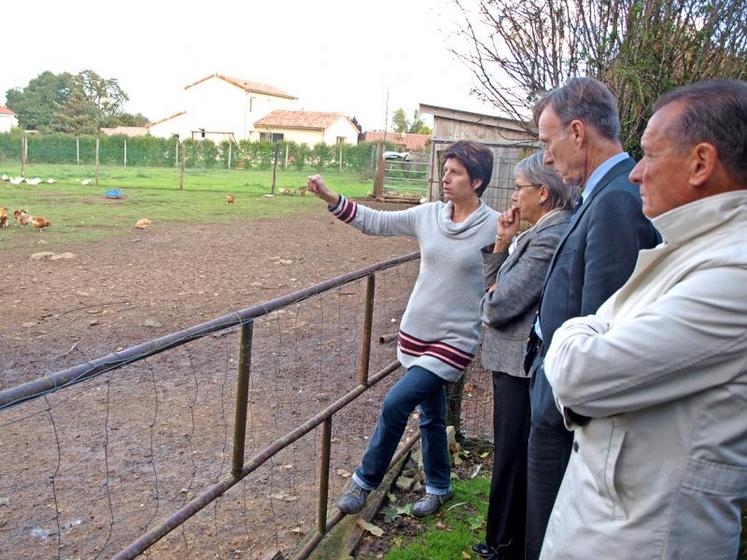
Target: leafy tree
x=104 y=93
x=125 y=119
x=518 y=49
x=401 y=123
x=417 y=126
x=399 y=120
x=36 y=104
x=77 y=116
x=77 y=103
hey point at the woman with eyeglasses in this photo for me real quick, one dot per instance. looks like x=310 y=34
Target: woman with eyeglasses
x=515 y=268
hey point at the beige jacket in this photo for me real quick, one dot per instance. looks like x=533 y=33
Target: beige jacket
x=661 y=469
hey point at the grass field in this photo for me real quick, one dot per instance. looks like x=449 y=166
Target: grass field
x=80 y=213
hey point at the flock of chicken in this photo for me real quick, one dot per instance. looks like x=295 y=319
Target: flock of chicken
x=40 y=222
x=24 y=218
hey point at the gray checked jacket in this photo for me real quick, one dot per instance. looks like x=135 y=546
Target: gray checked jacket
x=507 y=312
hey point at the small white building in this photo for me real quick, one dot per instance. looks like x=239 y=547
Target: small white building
x=307 y=127
x=220 y=107
x=8 y=119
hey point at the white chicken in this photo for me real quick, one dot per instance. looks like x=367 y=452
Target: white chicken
x=17 y=180
x=33 y=182
x=86 y=182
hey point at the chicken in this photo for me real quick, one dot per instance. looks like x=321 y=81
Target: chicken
x=40 y=222
x=4 y=177
x=230 y=199
x=33 y=182
x=142 y=224
x=86 y=182
x=3 y=218
x=17 y=180
x=51 y=181
x=21 y=216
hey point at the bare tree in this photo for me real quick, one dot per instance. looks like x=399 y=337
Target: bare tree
x=518 y=49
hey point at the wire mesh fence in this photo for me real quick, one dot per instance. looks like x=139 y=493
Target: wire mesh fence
x=92 y=467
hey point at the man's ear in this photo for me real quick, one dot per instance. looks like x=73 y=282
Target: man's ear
x=703 y=163
x=577 y=132
x=476 y=184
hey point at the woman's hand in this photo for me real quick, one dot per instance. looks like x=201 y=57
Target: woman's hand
x=508 y=227
x=317 y=186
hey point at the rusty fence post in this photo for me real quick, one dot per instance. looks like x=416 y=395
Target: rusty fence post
x=367 y=321
x=321 y=521
x=242 y=397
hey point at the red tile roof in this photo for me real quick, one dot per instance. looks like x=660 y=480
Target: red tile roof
x=412 y=142
x=250 y=87
x=313 y=120
x=6 y=111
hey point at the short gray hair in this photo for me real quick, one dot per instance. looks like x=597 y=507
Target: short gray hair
x=715 y=111
x=534 y=170
x=585 y=99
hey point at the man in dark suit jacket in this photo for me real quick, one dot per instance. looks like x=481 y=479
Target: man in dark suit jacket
x=579 y=125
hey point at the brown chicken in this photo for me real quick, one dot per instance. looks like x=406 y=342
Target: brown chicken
x=23 y=217
x=142 y=224
x=40 y=222
x=3 y=218
x=230 y=199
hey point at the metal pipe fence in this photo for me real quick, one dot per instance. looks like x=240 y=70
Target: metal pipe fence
x=150 y=451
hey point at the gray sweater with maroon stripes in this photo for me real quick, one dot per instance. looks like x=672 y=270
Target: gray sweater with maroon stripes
x=440 y=329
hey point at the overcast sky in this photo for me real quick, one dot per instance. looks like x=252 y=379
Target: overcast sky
x=334 y=55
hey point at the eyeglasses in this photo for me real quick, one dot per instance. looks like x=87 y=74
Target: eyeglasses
x=518 y=187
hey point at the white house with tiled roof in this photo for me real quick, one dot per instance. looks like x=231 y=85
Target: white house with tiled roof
x=8 y=119
x=221 y=107
x=307 y=127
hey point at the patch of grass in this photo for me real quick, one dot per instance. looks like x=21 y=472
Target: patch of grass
x=459 y=525
x=80 y=213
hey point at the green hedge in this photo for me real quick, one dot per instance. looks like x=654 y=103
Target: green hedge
x=149 y=151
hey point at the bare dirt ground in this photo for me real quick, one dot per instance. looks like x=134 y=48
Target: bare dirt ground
x=120 y=291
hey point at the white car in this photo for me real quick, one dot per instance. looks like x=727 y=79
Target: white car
x=397 y=156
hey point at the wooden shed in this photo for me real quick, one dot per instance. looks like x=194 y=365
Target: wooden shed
x=509 y=139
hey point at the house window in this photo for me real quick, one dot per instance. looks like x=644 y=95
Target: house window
x=340 y=139
x=271 y=136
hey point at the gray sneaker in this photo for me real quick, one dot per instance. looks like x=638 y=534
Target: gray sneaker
x=430 y=503
x=353 y=500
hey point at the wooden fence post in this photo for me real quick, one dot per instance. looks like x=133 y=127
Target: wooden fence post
x=77 y=150
x=379 y=180
x=229 y=154
x=285 y=164
x=24 y=154
x=274 y=167
x=97 y=161
x=125 y=152
x=183 y=160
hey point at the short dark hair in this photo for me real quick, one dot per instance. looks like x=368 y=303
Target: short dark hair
x=714 y=111
x=476 y=158
x=585 y=99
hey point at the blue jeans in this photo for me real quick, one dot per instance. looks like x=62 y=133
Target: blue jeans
x=418 y=387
